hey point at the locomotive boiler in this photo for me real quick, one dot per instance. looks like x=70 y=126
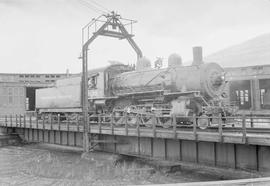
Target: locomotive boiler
x=126 y=93
x=178 y=90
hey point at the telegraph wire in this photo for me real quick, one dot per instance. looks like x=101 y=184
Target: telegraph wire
x=101 y=6
x=87 y=6
x=90 y=6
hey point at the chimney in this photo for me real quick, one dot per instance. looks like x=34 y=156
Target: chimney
x=197 y=55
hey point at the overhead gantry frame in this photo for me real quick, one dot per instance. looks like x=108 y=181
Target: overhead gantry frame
x=112 y=27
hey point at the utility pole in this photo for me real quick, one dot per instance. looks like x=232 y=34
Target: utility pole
x=112 y=26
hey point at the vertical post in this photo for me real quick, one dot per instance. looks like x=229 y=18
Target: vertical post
x=165 y=149
x=20 y=120
x=194 y=127
x=58 y=121
x=197 y=151
x=11 y=120
x=244 y=138
x=85 y=98
x=24 y=121
x=51 y=121
x=251 y=120
x=6 y=120
x=154 y=120
x=37 y=120
x=174 y=125
x=30 y=121
x=54 y=137
x=43 y=127
x=215 y=154
x=16 y=120
x=89 y=126
x=180 y=150
x=112 y=127
x=30 y=128
x=138 y=134
x=68 y=121
x=220 y=128
x=37 y=127
x=77 y=119
x=257 y=158
x=235 y=156
x=152 y=147
x=126 y=123
x=138 y=126
x=99 y=124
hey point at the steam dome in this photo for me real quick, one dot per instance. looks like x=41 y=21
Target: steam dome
x=174 y=60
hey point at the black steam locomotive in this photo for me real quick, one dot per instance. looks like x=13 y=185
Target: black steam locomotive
x=128 y=93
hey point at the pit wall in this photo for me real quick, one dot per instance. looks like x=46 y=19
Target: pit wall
x=236 y=156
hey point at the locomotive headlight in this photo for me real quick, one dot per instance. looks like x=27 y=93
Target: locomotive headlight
x=217 y=80
x=223 y=76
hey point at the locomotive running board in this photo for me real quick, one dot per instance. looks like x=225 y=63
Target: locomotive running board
x=195 y=93
x=133 y=93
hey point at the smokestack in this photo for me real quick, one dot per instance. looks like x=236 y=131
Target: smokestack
x=197 y=55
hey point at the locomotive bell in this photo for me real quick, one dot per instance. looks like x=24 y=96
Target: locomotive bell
x=174 y=60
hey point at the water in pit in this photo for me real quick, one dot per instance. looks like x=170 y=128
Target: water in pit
x=43 y=165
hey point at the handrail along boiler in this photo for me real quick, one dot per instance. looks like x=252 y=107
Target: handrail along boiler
x=126 y=93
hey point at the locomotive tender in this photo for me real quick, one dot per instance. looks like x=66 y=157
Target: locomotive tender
x=120 y=90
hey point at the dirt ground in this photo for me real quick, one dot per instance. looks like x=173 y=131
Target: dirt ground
x=36 y=165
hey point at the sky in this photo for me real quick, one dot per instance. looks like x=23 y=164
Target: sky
x=44 y=36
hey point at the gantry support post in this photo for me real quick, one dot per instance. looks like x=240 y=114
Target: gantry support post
x=113 y=20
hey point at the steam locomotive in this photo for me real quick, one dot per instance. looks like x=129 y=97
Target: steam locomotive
x=125 y=92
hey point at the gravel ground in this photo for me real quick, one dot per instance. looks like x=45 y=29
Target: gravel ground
x=36 y=165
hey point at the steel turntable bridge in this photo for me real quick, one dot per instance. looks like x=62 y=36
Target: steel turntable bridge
x=242 y=144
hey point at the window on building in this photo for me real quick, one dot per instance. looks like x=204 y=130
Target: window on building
x=27 y=103
x=38 y=76
x=52 y=76
x=21 y=76
x=262 y=93
x=242 y=96
x=58 y=76
x=246 y=96
x=26 y=76
x=47 y=76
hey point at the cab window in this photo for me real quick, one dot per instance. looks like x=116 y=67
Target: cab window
x=92 y=81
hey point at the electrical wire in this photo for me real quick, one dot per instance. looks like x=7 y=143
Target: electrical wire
x=90 y=6
x=101 y=6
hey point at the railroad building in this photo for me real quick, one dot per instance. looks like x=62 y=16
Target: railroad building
x=17 y=91
x=249 y=88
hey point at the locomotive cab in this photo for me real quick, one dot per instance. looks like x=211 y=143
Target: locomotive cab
x=99 y=86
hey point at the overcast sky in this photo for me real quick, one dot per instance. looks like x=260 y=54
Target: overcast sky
x=44 y=36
